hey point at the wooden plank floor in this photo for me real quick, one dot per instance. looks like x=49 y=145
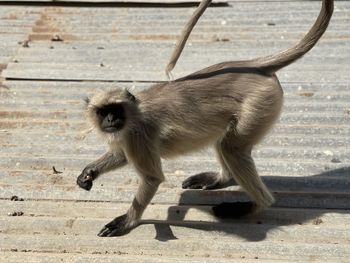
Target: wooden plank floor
x=52 y=57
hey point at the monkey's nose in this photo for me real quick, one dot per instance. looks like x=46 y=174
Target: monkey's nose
x=110 y=117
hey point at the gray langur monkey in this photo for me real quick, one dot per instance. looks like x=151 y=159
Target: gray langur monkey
x=230 y=105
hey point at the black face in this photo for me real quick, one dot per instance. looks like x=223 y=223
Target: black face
x=112 y=117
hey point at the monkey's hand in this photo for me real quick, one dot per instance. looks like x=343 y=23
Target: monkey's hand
x=85 y=179
x=119 y=226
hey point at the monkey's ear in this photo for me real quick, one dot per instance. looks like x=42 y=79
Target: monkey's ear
x=87 y=100
x=127 y=94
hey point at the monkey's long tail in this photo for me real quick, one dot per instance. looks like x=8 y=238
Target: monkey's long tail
x=185 y=34
x=275 y=62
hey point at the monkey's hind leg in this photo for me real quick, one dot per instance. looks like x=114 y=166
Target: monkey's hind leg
x=258 y=113
x=242 y=168
x=211 y=180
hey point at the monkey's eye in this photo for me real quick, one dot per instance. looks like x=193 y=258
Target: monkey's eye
x=115 y=109
x=102 y=112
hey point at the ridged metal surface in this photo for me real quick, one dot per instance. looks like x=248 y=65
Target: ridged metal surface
x=305 y=160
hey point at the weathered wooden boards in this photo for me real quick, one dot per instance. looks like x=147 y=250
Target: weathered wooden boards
x=305 y=160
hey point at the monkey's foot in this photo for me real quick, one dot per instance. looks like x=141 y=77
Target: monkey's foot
x=85 y=179
x=207 y=180
x=117 y=227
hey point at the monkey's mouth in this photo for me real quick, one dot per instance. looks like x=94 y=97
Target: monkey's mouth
x=113 y=128
x=110 y=129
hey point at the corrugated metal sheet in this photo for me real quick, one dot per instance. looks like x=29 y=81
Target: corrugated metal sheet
x=305 y=160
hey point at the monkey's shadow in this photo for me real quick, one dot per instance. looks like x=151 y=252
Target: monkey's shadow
x=257 y=226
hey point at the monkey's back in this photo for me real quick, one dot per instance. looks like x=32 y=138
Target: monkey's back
x=198 y=109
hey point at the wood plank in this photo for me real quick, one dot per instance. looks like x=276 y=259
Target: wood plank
x=165 y=2
x=187 y=223
x=246 y=37
x=305 y=160
x=197 y=248
x=35 y=257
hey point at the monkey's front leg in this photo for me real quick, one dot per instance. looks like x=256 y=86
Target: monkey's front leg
x=148 y=166
x=125 y=223
x=108 y=162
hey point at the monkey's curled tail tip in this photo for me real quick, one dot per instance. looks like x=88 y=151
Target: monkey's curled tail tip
x=234 y=210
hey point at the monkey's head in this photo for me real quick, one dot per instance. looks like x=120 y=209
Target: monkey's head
x=110 y=111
